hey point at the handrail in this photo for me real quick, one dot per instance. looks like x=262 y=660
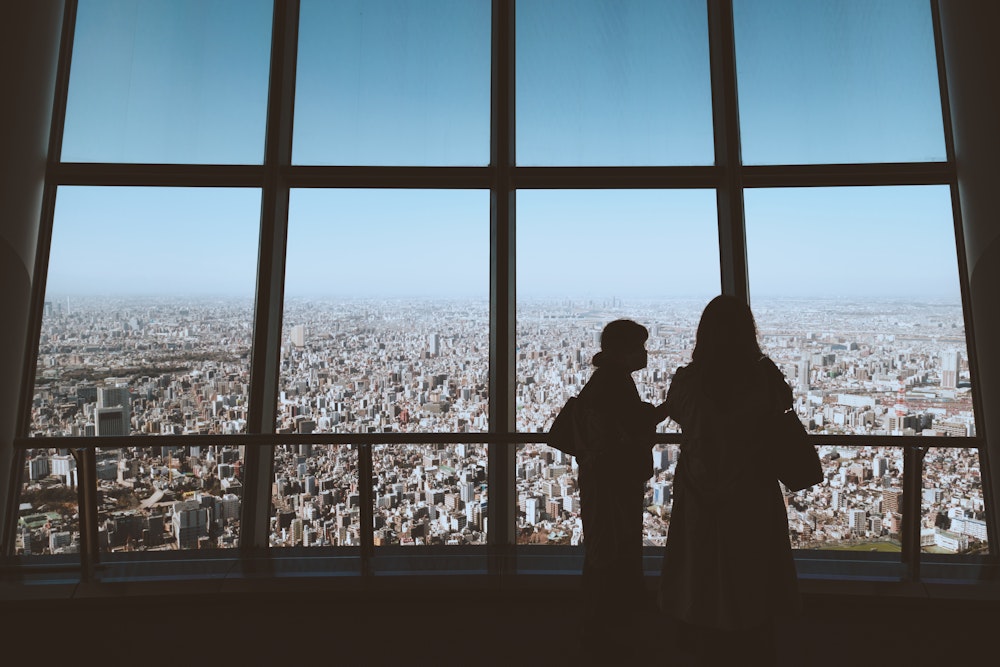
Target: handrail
x=84 y=450
x=511 y=437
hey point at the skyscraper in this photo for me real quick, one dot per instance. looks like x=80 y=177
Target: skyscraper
x=803 y=375
x=299 y=335
x=111 y=421
x=950 y=362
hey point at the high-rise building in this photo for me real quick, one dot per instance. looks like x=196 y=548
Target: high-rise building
x=299 y=335
x=190 y=522
x=857 y=521
x=802 y=381
x=951 y=361
x=38 y=468
x=111 y=421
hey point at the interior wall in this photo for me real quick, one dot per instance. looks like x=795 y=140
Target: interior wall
x=29 y=50
x=972 y=61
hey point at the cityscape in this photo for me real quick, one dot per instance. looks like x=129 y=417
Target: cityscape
x=146 y=366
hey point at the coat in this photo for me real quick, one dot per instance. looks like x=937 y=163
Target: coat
x=728 y=561
x=615 y=463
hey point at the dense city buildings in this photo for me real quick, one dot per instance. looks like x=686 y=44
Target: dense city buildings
x=109 y=367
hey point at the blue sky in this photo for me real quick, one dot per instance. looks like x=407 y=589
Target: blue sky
x=599 y=82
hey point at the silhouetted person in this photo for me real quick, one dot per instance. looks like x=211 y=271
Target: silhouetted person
x=728 y=568
x=613 y=470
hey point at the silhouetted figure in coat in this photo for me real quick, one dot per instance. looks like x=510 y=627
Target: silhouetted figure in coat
x=617 y=461
x=728 y=568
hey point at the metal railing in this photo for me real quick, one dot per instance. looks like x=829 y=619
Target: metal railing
x=501 y=502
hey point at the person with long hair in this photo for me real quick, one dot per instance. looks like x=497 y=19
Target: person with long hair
x=613 y=470
x=728 y=568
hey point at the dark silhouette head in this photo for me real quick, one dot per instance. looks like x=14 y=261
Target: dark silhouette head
x=623 y=343
x=727 y=334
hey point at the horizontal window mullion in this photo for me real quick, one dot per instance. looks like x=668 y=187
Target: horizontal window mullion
x=167 y=175
x=616 y=177
x=833 y=175
x=902 y=441
x=158 y=175
x=389 y=177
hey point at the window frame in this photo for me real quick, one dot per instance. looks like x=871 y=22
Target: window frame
x=277 y=176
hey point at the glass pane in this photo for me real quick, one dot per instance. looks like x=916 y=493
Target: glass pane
x=148 y=314
x=169 y=498
x=386 y=320
x=393 y=82
x=48 y=512
x=857 y=300
x=837 y=82
x=613 y=83
x=585 y=258
x=548 y=496
x=658 y=266
x=316 y=500
x=859 y=506
x=429 y=494
x=952 y=507
x=169 y=82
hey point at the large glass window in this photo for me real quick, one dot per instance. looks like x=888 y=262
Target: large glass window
x=316 y=499
x=953 y=511
x=429 y=495
x=382 y=346
x=857 y=299
x=148 y=314
x=847 y=81
x=169 y=82
x=647 y=255
x=613 y=83
x=48 y=510
x=858 y=507
x=169 y=498
x=362 y=61
x=386 y=324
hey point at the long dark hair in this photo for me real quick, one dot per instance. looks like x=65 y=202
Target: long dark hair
x=727 y=336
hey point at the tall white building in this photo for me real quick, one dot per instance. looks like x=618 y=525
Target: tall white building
x=951 y=361
x=299 y=335
x=190 y=521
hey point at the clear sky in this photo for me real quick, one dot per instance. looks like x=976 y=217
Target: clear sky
x=599 y=82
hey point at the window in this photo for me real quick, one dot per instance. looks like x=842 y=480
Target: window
x=346 y=260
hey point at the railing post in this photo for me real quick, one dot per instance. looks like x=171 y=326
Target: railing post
x=913 y=464
x=367 y=500
x=86 y=463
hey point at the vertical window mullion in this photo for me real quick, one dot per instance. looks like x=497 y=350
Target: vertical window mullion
x=501 y=392
x=726 y=129
x=270 y=272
